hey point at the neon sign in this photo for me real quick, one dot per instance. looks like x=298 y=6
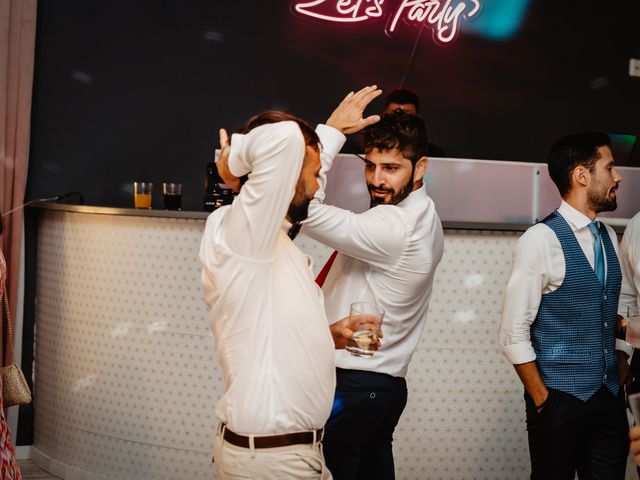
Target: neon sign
x=442 y=16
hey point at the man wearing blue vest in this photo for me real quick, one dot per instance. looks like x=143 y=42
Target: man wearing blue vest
x=559 y=321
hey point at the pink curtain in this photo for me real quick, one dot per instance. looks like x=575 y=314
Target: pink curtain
x=17 y=46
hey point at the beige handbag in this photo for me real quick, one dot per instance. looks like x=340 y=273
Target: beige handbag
x=15 y=390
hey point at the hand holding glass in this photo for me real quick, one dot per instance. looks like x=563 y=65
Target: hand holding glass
x=364 y=320
x=632 y=324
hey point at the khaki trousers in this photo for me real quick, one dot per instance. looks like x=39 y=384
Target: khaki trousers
x=289 y=463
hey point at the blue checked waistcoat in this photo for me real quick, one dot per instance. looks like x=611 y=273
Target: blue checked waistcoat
x=573 y=334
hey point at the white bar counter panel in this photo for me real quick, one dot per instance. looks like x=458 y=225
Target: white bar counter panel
x=126 y=376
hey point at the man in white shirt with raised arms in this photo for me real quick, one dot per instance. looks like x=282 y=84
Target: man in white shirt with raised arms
x=270 y=329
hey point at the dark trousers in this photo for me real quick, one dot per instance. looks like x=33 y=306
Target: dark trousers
x=358 y=435
x=634 y=371
x=570 y=436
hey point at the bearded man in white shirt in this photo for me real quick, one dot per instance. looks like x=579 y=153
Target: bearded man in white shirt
x=559 y=321
x=387 y=255
x=270 y=329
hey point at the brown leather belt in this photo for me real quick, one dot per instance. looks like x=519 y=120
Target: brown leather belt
x=272 y=441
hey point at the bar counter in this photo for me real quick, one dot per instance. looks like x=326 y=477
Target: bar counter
x=126 y=376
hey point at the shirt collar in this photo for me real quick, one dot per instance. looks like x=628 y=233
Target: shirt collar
x=414 y=197
x=575 y=218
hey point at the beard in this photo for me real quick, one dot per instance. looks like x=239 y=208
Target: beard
x=298 y=210
x=602 y=202
x=396 y=197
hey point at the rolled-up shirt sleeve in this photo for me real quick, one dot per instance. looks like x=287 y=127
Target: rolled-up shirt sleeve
x=529 y=276
x=376 y=236
x=630 y=266
x=272 y=155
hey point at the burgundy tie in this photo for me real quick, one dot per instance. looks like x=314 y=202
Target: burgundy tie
x=322 y=276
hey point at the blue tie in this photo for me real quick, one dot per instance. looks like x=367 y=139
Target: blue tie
x=597 y=250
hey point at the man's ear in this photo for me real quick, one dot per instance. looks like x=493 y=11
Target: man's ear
x=421 y=167
x=581 y=176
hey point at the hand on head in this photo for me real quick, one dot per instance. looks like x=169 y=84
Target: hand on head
x=223 y=162
x=347 y=117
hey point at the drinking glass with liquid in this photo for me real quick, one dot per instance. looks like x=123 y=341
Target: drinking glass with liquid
x=364 y=319
x=631 y=321
x=142 y=194
x=172 y=194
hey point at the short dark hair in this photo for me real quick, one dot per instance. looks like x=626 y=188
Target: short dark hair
x=572 y=151
x=403 y=96
x=274 y=116
x=400 y=130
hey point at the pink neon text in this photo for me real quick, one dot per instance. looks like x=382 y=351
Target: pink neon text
x=348 y=10
x=443 y=16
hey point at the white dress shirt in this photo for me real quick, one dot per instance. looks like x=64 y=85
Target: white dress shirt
x=630 y=265
x=387 y=255
x=267 y=314
x=538 y=268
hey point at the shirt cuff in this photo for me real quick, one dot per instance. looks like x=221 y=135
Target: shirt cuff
x=332 y=139
x=519 y=353
x=623 y=346
x=237 y=165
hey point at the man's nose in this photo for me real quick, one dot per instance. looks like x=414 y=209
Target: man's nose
x=616 y=176
x=378 y=177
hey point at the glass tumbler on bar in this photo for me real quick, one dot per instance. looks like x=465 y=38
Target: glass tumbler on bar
x=365 y=340
x=142 y=194
x=172 y=194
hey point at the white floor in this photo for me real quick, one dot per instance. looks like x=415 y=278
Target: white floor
x=30 y=471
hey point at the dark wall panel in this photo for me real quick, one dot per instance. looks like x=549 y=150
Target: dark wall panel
x=136 y=90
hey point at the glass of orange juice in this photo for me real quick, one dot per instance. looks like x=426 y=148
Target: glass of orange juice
x=142 y=194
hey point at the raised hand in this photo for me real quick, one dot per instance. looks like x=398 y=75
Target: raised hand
x=347 y=117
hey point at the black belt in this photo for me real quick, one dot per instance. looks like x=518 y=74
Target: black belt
x=273 y=441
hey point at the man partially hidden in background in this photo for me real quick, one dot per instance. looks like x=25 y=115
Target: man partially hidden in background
x=630 y=301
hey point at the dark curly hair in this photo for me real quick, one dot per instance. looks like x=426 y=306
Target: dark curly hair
x=400 y=130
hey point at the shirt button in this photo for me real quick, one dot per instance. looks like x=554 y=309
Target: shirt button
x=606 y=351
x=605 y=376
x=604 y=296
x=605 y=324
